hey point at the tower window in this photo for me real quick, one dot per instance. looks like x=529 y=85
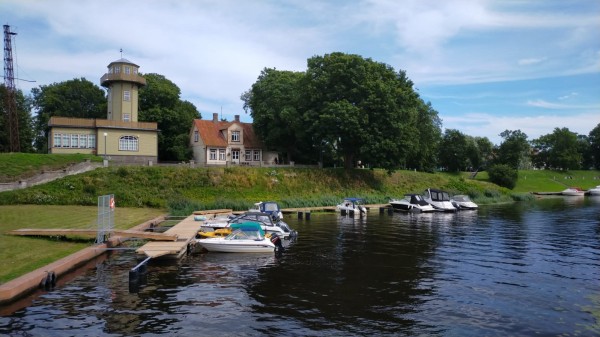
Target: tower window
x=117 y=69
x=127 y=70
x=126 y=95
x=126 y=117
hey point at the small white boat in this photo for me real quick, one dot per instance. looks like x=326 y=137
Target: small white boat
x=247 y=237
x=411 y=203
x=594 y=190
x=461 y=201
x=278 y=226
x=352 y=207
x=574 y=192
x=440 y=200
x=269 y=207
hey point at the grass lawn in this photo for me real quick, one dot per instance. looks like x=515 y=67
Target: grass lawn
x=551 y=181
x=21 y=255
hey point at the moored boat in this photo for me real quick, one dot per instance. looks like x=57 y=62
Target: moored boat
x=573 y=192
x=594 y=190
x=270 y=207
x=247 y=237
x=440 y=200
x=352 y=207
x=411 y=203
x=461 y=201
x=278 y=226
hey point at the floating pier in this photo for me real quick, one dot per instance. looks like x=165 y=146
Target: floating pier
x=185 y=231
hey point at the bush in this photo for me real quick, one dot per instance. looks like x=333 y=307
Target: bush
x=503 y=175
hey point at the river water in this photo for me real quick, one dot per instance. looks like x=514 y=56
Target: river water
x=523 y=269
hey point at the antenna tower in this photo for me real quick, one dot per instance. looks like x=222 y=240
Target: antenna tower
x=10 y=98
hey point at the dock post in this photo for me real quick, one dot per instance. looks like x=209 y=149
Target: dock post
x=307 y=215
x=390 y=211
x=300 y=215
x=381 y=210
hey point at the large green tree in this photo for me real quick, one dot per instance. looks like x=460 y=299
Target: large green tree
x=23 y=104
x=456 y=149
x=594 y=139
x=273 y=102
x=74 y=98
x=514 y=150
x=159 y=101
x=558 y=150
x=365 y=109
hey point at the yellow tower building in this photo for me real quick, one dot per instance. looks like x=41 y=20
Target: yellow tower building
x=122 y=82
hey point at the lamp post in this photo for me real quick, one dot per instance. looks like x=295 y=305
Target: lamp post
x=105 y=134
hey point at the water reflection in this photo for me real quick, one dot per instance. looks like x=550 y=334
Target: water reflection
x=501 y=270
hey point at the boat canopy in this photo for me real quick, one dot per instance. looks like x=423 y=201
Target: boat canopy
x=248 y=226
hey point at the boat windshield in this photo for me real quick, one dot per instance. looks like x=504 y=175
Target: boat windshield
x=245 y=235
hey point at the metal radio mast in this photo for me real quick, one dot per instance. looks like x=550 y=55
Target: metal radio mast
x=9 y=82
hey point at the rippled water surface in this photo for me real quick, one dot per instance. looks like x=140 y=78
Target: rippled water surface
x=516 y=269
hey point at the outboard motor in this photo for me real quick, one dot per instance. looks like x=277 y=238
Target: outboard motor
x=276 y=240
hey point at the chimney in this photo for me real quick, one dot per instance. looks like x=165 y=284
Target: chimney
x=237 y=118
x=215 y=117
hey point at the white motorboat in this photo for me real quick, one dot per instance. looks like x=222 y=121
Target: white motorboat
x=440 y=200
x=352 y=207
x=247 y=237
x=462 y=201
x=411 y=203
x=573 y=192
x=269 y=207
x=278 y=226
x=594 y=190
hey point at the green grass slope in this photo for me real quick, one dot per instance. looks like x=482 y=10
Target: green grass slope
x=16 y=166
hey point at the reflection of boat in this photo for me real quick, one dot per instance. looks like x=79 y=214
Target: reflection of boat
x=440 y=200
x=247 y=237
x=269 y=207
x=462 y=201
x=573 y=191
x=594 y=191
x=411 y=203
x=352 y=207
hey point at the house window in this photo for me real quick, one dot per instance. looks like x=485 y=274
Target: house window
x=126 y=117
x=256 y=155
x=128 y=143
x=213 y=154
x=196 y=136
x=222 y=154
x=248 y=155
x=91 y=142
x=126 y=95
x=65 y=140
x=235 y=136
x=57 y=138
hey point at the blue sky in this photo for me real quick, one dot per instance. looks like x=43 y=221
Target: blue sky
x=486 y=66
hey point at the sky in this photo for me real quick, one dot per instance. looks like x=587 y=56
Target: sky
x=485 y=65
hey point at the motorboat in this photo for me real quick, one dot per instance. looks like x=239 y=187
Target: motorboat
x=411 y=203
x=573 y=191
x=440 y=200
x=270 y=207
x=352 y=207
x=247 y=237
x=594 y=190
x=462 y=201
x=278 y=226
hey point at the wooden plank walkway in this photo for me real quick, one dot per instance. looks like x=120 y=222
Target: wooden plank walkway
x=93 y=232
x=186 y=232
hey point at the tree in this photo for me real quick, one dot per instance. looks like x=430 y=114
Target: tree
x=594 y=139
x=74 y=98
x=514 y=149
x=558 y=150
x=24 y=119
x=273 y=102
x=485 y=149
x=503 y=175
x=423 y=156
x=364 y=109
x=454 y=150
x=159 y=102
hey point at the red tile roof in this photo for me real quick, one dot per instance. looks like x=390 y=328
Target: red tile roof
x=215 y=133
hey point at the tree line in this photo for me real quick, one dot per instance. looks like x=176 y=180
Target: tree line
x=343 y=110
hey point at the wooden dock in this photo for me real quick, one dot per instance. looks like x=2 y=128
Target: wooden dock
x=93 y=232
x=185 y=231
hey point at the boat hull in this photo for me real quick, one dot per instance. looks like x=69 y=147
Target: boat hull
x=236 y=246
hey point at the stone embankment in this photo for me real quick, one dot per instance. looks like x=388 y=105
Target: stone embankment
x=46 y=176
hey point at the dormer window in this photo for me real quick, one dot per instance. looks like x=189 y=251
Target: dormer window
x=235 y=136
